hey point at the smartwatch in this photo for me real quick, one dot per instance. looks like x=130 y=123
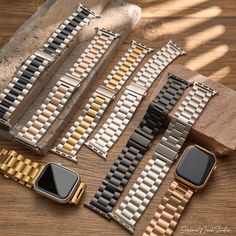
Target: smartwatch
x=192 y=173
x=52 y=180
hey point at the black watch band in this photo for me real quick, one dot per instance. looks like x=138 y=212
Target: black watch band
x=34 y=66
x=139 y=142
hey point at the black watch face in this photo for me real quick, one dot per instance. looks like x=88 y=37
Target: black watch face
x=195 y=165
x=56 y=181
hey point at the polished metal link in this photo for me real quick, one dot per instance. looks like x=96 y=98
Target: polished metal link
x=19 y=168
x=44 y=117
x=103 y=141
x=170 y=210
x=25 y=78
x=77 y=134
x=139 y=142
x=141 y=193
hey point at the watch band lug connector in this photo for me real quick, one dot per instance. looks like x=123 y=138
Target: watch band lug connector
x=182 y=52
x=5 y=123
x=78 y=194
x=108 y=32
x=205 y=88
x=89 y=11
x=140 y=45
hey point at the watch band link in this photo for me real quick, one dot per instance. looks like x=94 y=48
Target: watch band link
x=36 y=64
x=139 y=142
x=169 y=211
x=67 y=30
x=102 y=142
x=18 y=168
x=141 y=193
x=70 y=144
x=44 y=117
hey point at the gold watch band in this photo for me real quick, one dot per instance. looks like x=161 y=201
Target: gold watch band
x=19 y=168
x=25 y=171
x=169 y=211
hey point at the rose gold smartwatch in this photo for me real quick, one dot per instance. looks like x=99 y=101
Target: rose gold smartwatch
x=192 y=173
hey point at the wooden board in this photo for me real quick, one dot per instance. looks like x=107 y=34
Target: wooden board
x=22 y=212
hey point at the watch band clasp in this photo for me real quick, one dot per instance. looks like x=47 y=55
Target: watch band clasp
x=137 y=89
x=106 y=92
x=121 y=222
x=71 y=80
x=45 y=55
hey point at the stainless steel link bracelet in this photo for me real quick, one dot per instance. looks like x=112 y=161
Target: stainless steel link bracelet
x=102 y=142
x=44 y=117
x=137 y=145
x=141 y=193
x=70 y=144
x=36 y=64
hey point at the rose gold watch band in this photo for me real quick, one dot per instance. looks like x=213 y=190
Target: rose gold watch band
x=169 y=211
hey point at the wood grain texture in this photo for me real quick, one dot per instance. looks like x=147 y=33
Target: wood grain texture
x=206 y=30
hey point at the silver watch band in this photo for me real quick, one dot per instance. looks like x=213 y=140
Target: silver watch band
x=102 y=142
x=35 y=65
x=70 y=144
x=141 y=193
x=44 y=117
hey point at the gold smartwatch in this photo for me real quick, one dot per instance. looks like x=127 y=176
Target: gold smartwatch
x=51 y=180
x=192 y=173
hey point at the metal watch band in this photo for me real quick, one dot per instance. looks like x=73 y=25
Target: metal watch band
x=141 y=193
x=18 y=168
x=139 y=142
x=102 y=142
x=36 y=64
x=70 y=144
x=25 y=171
x=44 y=117
x=169 y=211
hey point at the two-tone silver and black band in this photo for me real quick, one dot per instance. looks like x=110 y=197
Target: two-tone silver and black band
x=102 y=142
x=139 y=142
x=70 y=144
x=36 y=64
x=139 y=196
x=44 y=117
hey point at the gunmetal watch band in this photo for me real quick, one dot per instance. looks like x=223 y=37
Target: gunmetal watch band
x=36 y=64
x=129 y=101
x=169 y=211
x=139 y=142
x=25 y=171
x=44 y=117
x=139 y=196
x=70 y=144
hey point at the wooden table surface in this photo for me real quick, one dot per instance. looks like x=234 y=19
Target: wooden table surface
x=206 y=29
